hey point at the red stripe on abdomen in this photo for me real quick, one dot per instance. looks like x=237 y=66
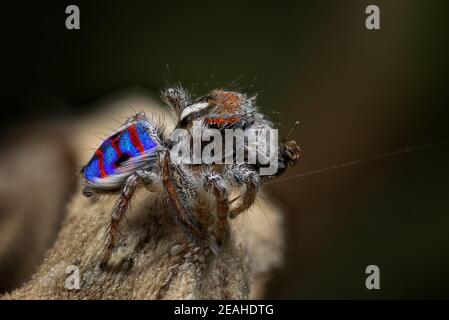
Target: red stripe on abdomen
x=116 y=145
x=100 y=157
x=135 y=138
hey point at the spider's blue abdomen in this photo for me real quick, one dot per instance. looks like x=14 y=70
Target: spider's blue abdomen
x=120 y=154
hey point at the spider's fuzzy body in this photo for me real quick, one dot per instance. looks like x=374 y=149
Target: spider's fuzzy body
x=138 y=153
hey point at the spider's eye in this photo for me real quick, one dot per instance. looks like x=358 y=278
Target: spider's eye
x=213 y=124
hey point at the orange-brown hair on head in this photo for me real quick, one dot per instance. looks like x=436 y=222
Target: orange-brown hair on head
x=227 y=102
x=221 y=121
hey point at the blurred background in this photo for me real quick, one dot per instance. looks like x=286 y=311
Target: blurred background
x=356 y=93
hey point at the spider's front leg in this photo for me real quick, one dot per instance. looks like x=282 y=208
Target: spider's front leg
x=247 y=177
x=217 y=184
x=181 y=193
x=122 y=204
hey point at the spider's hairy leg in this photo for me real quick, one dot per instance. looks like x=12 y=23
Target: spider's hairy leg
x=288 y=156
x=120 y=207
x=248 y=178
x=176 y=98
x=181 y=197
x=216 y=183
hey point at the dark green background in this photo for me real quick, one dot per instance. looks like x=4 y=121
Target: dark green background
x=356 y=93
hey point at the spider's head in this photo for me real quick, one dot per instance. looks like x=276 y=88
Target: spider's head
x=219 y=109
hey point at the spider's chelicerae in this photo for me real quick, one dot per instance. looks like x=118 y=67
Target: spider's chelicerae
x=139 y=153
